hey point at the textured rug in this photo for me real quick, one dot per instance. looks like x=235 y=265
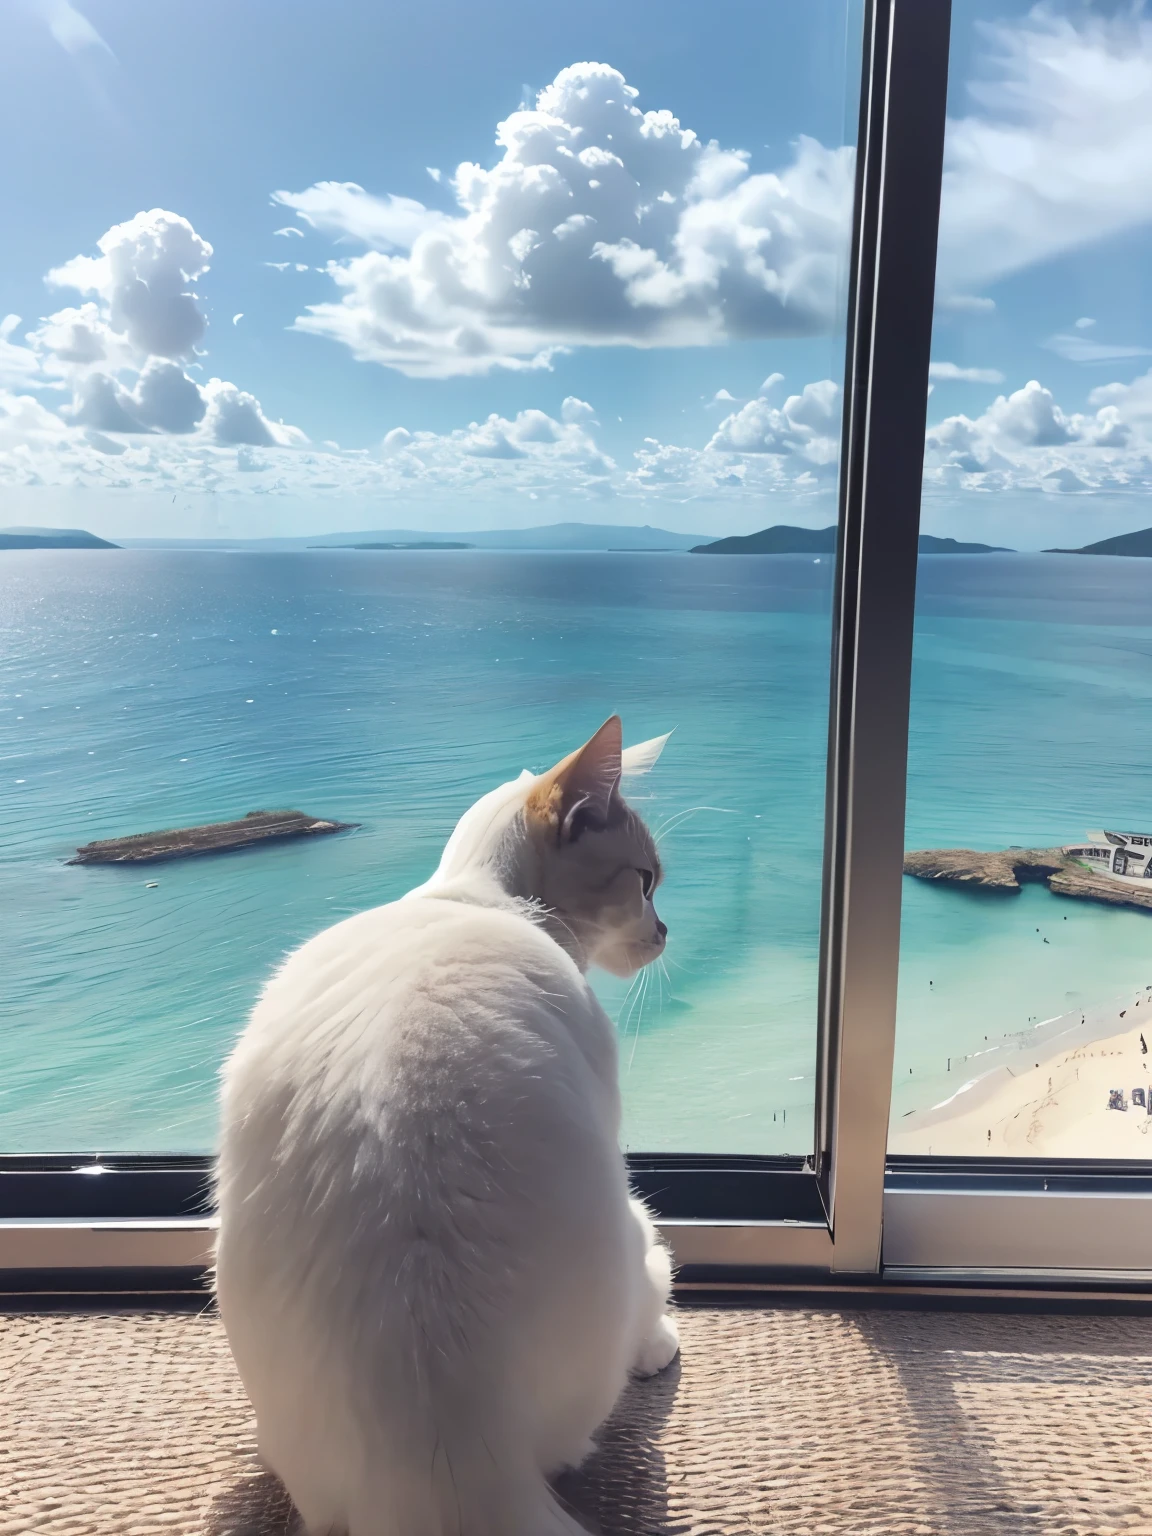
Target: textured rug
x=784 y=1422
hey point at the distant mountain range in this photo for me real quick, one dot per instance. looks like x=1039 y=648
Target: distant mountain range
x=51 y=538
x=556 y=536
x=416 y=544
x=783 y=539
x=1138 y=543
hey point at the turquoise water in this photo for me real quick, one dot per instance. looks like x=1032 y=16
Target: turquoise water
x=142 y=689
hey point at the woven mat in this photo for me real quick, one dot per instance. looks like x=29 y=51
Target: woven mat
x=788 y=1422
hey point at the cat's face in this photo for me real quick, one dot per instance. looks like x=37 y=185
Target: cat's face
x=593 y=862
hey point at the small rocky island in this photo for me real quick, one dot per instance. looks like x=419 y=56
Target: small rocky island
x=1014 y=867
x=215 y=837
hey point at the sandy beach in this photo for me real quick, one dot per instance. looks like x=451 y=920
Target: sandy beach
x=1048 y=1097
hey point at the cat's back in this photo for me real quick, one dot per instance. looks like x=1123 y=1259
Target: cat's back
x=424 y=1025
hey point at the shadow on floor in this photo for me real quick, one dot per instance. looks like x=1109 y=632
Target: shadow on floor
x=623 y=1486
x=1009 y=1433
x=256 y=1505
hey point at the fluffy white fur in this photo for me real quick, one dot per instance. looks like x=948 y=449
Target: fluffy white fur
x=432 y=1275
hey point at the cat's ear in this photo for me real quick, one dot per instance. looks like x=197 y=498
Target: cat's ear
x=578 y=792
x=644 y=755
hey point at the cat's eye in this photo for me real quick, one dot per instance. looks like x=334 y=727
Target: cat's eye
x=646 y=878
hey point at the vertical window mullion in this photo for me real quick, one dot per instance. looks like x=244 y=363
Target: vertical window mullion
x=899 y=171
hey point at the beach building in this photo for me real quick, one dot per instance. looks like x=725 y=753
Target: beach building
x=1123 y=856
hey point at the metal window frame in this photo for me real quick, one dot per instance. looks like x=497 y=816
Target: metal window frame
x=848 y=1214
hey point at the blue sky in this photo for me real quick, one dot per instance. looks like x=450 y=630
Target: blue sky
x=665 y=347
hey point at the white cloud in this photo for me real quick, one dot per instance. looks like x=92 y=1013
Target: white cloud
x=288 y=231
x=806 y=427
x=1080 y=349
x=1084 y=322
x=943 y=372
x=343 y=208
x=166 y=398
x=100 y=402
x=77 y=336
x=236 y=319
x=142 y=275
x=18 y=365
x=574 y=411
x=1058 y=151
x=71 y=30
x=965 y=303
x=1026 y=441
x=600 y=224
x=234 y=416
x=119 y=353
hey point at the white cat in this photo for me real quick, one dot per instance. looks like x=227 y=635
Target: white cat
x=432 y=1275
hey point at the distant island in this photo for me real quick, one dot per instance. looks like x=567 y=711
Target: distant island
x=1138 y=543
x=416 y=544
x=784 y=539
x=589 y=537
x=51 y=538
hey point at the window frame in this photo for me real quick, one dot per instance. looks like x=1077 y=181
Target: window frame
x=849 y=1214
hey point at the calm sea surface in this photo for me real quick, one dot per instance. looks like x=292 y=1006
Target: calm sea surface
x=143 y=689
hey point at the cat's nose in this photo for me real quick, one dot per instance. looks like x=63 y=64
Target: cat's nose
x=661 y=929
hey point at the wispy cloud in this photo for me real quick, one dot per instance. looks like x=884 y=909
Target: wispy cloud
x=73 y=31
x=944 y=372
x=1079 y=349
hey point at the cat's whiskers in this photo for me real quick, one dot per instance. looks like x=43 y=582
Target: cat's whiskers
x=624 y=1017
x=679 y=817
x=646 y=976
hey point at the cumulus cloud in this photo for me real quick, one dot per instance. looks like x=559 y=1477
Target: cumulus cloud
x=19 y=365
x=233 y=416
x=142 y=276
x=605 y=224
x=100 y=402
x=120 y=352
x=166 y=398
x=806 y=427
x=1023 y=440
x=600 y=224
x=1027 y=441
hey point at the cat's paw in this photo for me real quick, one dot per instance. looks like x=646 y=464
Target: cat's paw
x=659 y=1349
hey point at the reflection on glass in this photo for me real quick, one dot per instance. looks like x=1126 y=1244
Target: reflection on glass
x=617 y=325
x=1025 y=1010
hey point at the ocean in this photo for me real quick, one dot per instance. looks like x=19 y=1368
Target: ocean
x=146 y=689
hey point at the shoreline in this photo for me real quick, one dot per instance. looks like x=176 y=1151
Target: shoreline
x=1046 y=1094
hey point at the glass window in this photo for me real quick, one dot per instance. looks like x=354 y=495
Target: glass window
x=564 y=321
x=1025 y=1010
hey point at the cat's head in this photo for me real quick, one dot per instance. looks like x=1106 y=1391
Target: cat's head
x=569 y=842
x=594 y=861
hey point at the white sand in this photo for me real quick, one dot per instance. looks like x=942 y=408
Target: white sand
x=1050 y=1106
